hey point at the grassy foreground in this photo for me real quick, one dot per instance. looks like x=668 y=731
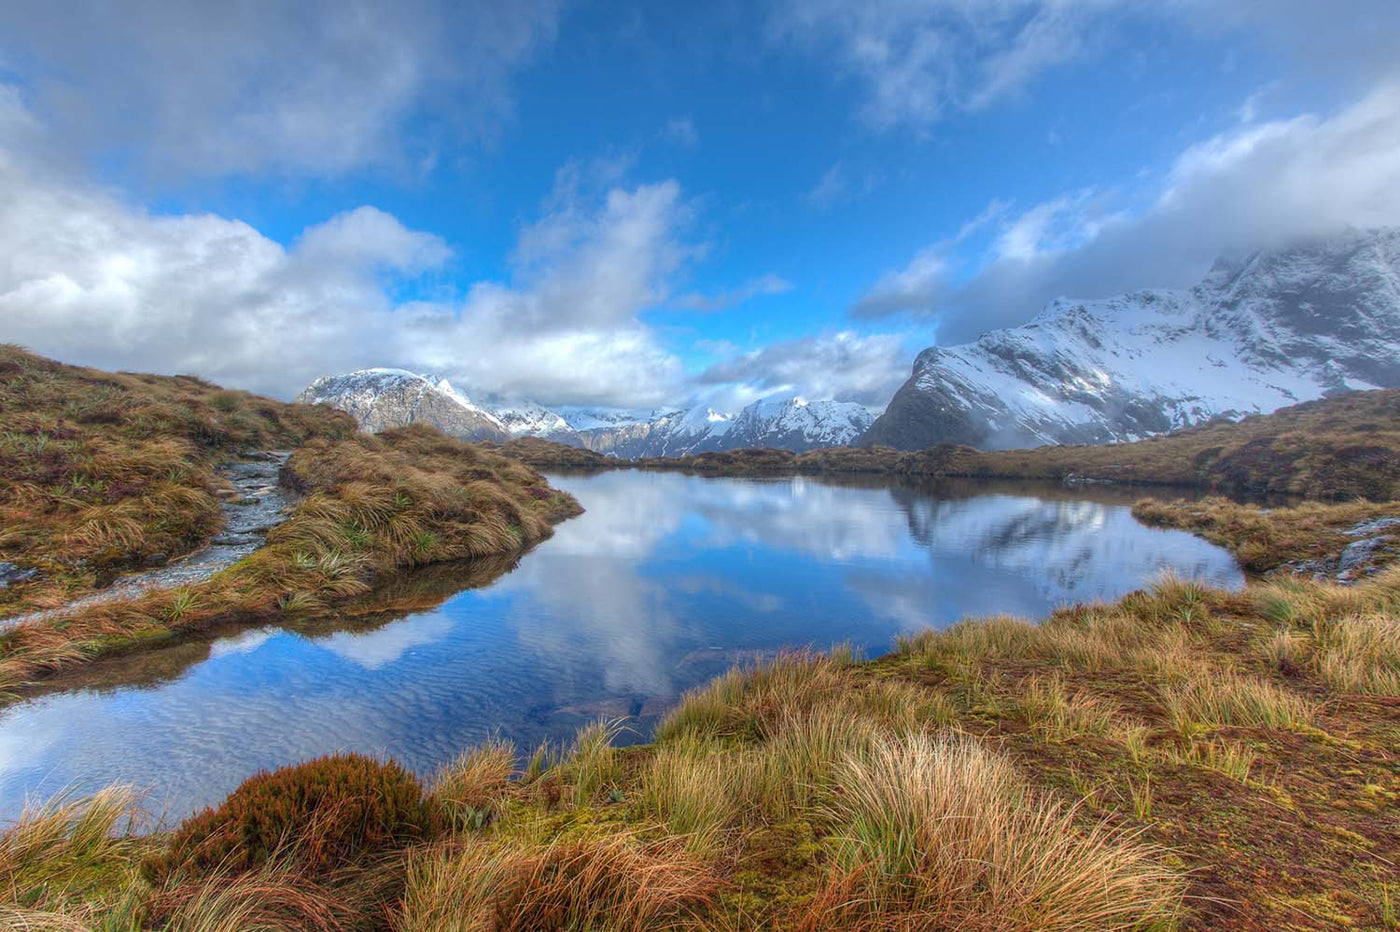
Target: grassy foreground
x=101 y=470
x=1182 y=758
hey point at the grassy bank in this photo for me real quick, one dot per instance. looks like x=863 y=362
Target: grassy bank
x=1346 y=541
x=372 y=505
x=104 y=471
x=1337 y=448
x=1183 y=758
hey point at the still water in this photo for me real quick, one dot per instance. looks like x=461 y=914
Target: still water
x=665 y=581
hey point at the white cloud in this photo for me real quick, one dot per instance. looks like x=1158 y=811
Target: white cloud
x=239 y=88
x=86 y=276
x=1257 y=186
x=845 y=366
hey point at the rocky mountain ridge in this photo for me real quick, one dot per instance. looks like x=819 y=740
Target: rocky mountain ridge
x=1285 y=326
x=384 y=398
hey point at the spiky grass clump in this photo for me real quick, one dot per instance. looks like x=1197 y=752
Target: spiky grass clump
x=470 y=786
x=1234 y=699
x=750 y=701
x=617 y=882
x=68 y=859
x=942 y=833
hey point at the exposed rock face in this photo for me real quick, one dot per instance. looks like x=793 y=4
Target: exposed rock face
x=380 y=399
x=1282 y=327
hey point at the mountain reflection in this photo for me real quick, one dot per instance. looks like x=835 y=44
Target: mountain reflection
x=665 y=581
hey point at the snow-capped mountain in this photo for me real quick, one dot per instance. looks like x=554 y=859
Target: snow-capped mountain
x=796 y=424
x=380 y=399
x=787 y=423
x=528 y=419
x=673 y=433
x=1281 y=327
x=595 y=418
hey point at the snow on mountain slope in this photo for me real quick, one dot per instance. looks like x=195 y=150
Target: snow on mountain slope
x=1282 y=327
x=596 y=418
x=528 y=419
x=795 y=424
x=788 y=423
x=381 y=399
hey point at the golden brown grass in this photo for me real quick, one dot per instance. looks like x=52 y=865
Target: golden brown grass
x=615 y=881
x=100 y=472
x=942 y=833
x=1265 y=539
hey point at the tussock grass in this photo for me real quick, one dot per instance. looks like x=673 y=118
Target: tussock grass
x=1265 y=539
x=750 y=701
x=697 y=791
x=1230 y=758
x=616 y=882
x=469 y=787
x=1234 y=699
x=1058 y=714
x=942 y=833
x=593 y=763
x=68 y=852
x=273 y=898
x=103 y=471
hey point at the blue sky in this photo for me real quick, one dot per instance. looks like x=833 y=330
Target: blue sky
x=644 y=204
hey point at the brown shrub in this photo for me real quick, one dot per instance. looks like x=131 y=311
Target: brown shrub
x=322 y=814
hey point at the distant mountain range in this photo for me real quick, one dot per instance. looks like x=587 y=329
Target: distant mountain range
x=383 y=398
x=1279 y=328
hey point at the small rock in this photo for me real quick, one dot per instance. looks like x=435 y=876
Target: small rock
x=11 y=573
x=1357 y=555
x=158 y=559
x=1372 y=527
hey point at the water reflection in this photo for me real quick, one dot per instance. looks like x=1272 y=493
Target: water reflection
x=665 y=581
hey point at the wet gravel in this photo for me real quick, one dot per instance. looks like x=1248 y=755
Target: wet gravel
x=257 y=503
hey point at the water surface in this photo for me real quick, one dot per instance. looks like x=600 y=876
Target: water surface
x=665 y=581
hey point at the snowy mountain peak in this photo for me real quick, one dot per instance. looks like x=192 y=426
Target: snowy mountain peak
x=384 y=398
x=1254 y=335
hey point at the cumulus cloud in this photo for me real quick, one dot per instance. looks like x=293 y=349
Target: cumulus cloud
x=89 y=277
x=315 y=87
x=845 y=366
x=1254 y=187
